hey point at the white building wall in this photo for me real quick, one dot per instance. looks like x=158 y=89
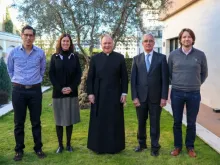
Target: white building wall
x=130 y=48
x=7 y=42
x=151 y=24
x=203 y=18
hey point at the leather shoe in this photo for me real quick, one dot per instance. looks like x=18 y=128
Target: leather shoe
x=176 y=151
x=191 y=152
x=140 y=148
x=18 y=156
x=69 y=148
x=40 y=154
x=59 y=150
x=155 y=153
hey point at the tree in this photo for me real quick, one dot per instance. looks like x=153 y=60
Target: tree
x=86 y=20
x=47 y=43
x=95 y=51
x=126 y=55
x=5 y=83
x=8 y=22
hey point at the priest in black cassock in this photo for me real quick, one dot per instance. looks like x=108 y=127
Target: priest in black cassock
x=107 y=86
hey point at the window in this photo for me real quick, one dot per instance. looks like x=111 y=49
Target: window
x=160 y=33
x=173 y=44
x=158 y=49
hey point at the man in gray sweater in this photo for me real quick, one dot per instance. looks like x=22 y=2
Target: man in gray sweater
x=188 y=70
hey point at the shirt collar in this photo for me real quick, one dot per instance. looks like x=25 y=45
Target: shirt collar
x=186 y=53
x=151 y=53
x=22 y=48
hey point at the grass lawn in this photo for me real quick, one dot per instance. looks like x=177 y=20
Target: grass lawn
x=83 y=156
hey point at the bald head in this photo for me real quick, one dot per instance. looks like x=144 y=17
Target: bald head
x=107 y=43
x=106 y=36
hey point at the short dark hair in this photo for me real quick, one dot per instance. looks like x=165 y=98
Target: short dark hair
x=28 y=27
x=58 y=46
x=191 y=33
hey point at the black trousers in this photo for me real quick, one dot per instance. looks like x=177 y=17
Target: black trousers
x=154 y=111
x=22 y=99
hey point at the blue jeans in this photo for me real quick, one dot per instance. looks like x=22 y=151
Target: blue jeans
x=192 y=101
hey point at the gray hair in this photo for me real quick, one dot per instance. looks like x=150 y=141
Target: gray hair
x=147 y=34
x=106 y=35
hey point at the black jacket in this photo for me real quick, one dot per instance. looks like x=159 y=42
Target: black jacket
x=65 y=71
x=154 y=84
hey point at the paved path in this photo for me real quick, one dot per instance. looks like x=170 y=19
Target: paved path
x=7 y=108
x=207 y=126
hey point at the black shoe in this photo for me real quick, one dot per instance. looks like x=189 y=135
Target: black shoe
x=18 y=156
x=155 y=153
x=40 y=154
x=59 y=150
x=69 y=148
x=140 y=148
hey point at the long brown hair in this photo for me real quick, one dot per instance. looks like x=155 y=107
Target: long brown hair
x=58 y=46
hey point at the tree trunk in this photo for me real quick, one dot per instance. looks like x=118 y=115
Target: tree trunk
x=83 y=98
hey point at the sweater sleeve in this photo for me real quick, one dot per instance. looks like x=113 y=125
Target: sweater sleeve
x=204 y=69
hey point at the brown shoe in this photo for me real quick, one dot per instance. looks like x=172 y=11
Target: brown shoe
x=191 y=152
x=176 y=151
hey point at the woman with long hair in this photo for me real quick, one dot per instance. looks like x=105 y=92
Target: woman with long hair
x=65 y=76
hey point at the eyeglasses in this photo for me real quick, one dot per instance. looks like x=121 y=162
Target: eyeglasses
x=28 y=35
x=150 y=41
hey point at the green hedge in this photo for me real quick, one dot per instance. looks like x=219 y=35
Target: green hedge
x=128 y=62
x=5 y=83
x=46 y=80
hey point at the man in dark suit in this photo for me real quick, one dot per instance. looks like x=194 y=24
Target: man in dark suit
x=149 y=88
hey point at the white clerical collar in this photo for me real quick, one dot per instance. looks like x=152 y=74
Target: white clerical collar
x=186 y=53
x=107 y=54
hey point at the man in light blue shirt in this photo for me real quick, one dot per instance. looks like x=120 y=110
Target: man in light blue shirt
x=26 y=67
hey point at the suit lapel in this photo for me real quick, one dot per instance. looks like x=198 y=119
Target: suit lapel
x=153 y=61
x=143 y=63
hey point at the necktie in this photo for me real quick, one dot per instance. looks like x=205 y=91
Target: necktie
x=147 y=62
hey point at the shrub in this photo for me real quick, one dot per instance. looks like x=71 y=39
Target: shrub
x=8 y=23
x=128 y=62
x=46 y=79
x=5 y=83
x=3 y=97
